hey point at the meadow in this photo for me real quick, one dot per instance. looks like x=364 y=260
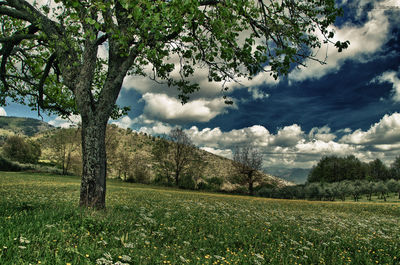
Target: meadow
x=40 y=223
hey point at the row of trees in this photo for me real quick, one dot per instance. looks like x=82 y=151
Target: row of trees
x=334 y=191
x=335 y=169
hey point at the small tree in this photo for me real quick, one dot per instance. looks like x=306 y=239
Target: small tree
x=182 y=151
x=63 y=143
x=163 y=161
x=24 y=151
x=247 y=162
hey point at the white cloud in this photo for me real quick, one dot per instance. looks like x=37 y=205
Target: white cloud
x=124 y=122
x=322 y=134
x=215 y=138
x=364 y=40
x=72 y=120
x=390 y=77
x=164 y=108
x=288 y=136
x=220 y=152
x=292 y=147
x=256 y=93
x=3 y=112
x=325 y=148
x=157 y=128
x=384 y=132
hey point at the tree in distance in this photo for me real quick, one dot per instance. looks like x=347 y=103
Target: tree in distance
x=247 y=163
x=24 y=151
x=183 y=152
x=64 y=142
x=162 y=156
x=177 y=157
x=71 y=57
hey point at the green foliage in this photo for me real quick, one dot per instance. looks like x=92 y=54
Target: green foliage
x=377 y=170
x=395 y=168
x=357 y=190
x=6 y=165
x=214 y=183
x=187 y=182
x=335 y=169
x=24 y=151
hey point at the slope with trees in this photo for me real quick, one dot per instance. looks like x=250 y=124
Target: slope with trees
x=50 y=55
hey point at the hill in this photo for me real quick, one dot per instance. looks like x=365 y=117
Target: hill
x=22 y=126
x=129 y=156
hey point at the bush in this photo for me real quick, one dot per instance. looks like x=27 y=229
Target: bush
x=141 y=174
x=6 y=165
x=213 y=184
x=17 y=149
x=187 y=182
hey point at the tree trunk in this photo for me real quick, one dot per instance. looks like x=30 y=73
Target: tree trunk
x=177 y=178
x=93 y=184
x=251 y=188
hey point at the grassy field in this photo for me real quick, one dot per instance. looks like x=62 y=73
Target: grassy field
x=40 y=223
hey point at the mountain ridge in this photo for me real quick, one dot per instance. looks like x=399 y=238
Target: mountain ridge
x=21 y=125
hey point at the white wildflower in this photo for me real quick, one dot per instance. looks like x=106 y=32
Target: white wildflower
x=120 y=263
x=183 y=259
x=125 y=258
x=128 y=245
x=107 y=255
x=103 y=261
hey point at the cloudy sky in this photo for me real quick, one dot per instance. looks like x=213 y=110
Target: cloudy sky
x=351 y=105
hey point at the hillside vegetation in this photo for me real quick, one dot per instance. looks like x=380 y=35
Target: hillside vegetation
x=41 y=224
x=129 y=155
x=22 y=126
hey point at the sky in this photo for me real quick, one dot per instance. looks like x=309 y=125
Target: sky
x=350 y=106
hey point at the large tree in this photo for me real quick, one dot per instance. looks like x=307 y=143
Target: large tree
x=51 y=60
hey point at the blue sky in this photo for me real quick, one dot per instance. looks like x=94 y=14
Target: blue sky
x=351 y=105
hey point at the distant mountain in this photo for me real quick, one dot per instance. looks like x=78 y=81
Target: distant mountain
x=295 y=175
x=24 y=126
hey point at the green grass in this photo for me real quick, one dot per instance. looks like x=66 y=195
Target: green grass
x=40 y=223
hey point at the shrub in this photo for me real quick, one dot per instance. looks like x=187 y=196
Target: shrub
x=213 y=184
x=187 y=182
x=17 y=149
x=6 y=165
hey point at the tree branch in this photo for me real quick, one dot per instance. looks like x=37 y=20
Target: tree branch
x=17 y=38
x=46 y=72
x=15 y=13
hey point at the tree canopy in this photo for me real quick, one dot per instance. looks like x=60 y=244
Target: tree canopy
x=335 y=169
x=70 y=56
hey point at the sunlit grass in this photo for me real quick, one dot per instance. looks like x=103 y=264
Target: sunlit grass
x=41 y=224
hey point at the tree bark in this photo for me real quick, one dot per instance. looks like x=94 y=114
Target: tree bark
x=251 y=188
x=93 y=184
x=177 y=178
